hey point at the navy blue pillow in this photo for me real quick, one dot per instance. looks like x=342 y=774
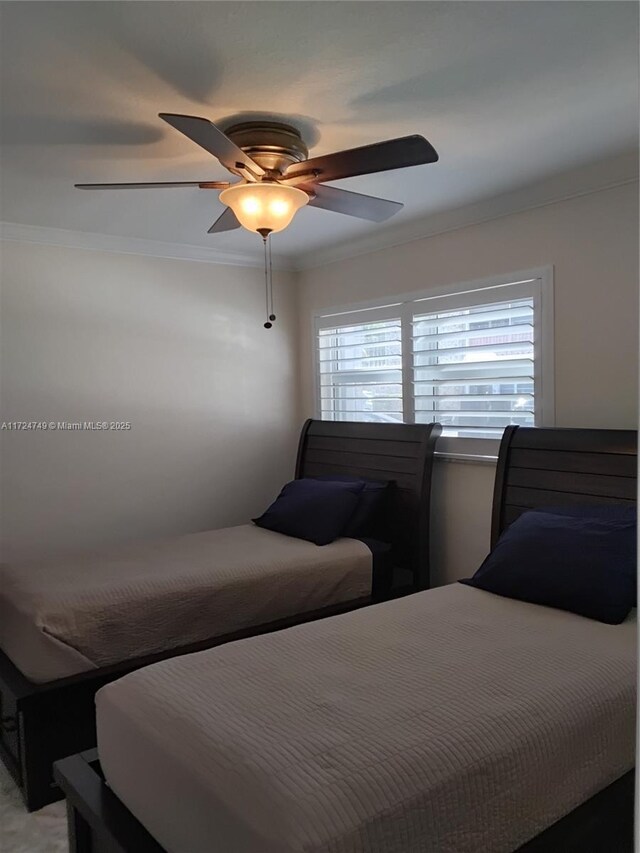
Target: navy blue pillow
x=312 y=509
x=363 y=520
x=603 y=512
x=583 y=564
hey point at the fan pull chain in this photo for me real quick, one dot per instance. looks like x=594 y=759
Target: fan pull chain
x=267 y=325
x=272 y=315
x=268 y=282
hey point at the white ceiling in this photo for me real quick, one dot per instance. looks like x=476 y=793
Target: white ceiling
x=509 y=93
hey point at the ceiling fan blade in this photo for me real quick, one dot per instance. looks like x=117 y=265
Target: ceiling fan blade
x=353 y=204
x=205 y=134
x=379 y=157
x=205 y=185
x=225 y=222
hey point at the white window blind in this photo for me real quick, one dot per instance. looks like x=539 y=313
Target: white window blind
x=474 y=358
x=361 y=372
x=473 y=369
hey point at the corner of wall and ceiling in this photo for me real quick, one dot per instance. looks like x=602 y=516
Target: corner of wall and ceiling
x=553 y=191
x=577 y=183
x=43 y=235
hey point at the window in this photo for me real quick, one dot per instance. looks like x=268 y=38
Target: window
x=475 y=358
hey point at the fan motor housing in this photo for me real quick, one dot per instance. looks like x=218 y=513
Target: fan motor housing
x=273 y=145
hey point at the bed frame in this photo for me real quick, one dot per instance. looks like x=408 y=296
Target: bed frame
x=536 y=467
x=402 y=455
x=562 y=467
x=40 y=723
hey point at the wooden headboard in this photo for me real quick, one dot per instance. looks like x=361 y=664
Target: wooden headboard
x=399 y=453
x=557 y=467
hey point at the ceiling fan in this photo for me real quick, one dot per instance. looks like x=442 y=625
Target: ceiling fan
x=276 y=178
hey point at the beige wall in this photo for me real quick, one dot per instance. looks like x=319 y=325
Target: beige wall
x=175 y=347
x=178 y=349
x=592 y=243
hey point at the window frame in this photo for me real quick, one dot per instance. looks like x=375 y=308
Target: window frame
x=536 y=283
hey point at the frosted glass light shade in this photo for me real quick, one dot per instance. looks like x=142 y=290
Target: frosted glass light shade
x=264 y=206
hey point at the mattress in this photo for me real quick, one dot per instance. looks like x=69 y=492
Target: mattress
x=69 y=616
x=450 y=721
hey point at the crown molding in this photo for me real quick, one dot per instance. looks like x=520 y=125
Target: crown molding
x=564 y=187
x=130 y=245
x=583 y=181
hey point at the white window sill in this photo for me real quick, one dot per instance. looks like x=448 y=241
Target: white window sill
x=470 y=449
x=466 y=458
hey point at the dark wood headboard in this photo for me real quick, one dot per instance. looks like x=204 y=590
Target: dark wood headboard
x=399 y=453
x=558 y=467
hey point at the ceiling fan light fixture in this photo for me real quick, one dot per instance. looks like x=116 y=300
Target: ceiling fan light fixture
x=264 y=207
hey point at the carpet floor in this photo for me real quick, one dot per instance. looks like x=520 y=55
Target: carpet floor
x=44 y=831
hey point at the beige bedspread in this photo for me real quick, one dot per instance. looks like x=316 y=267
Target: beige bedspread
x=68 y=616
x=451 y=721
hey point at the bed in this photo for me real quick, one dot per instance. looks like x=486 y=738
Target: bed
x=70 y=626
x=357 y=733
